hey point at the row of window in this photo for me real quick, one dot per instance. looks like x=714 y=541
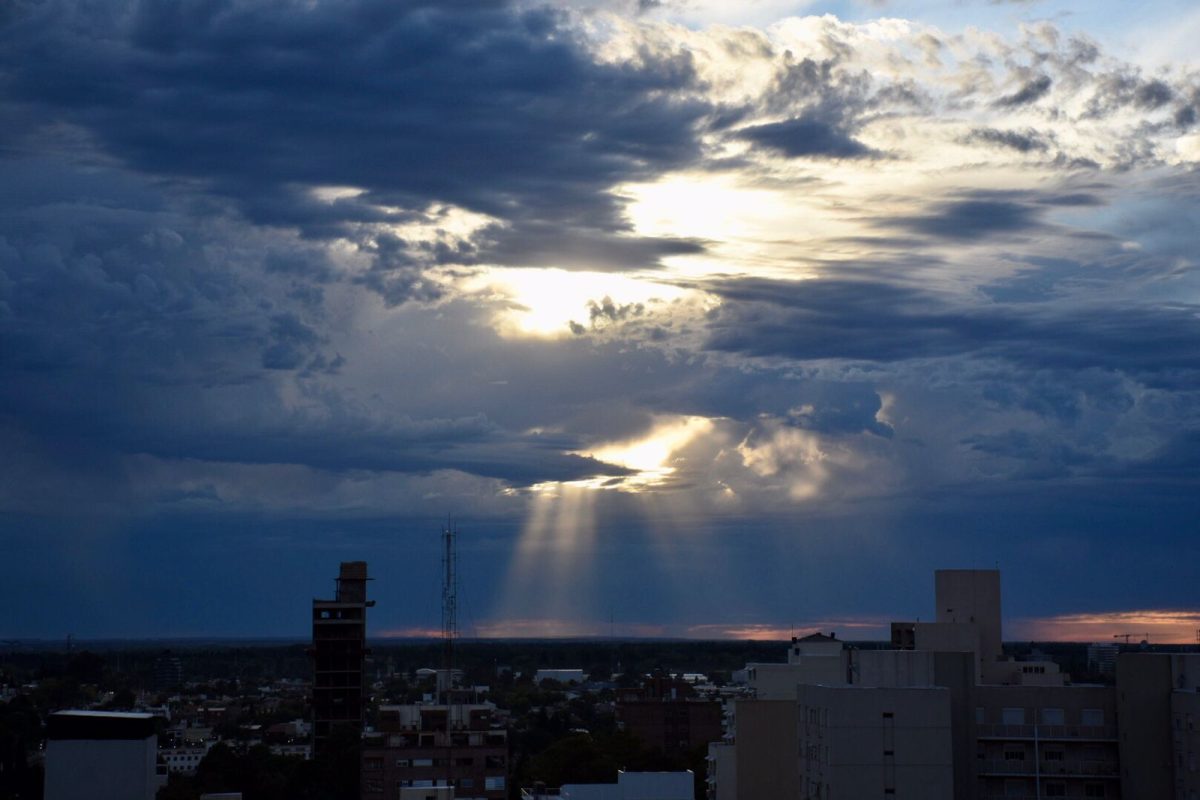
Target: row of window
x=1052 y=753
x=1054 y=789
x=489 y=784
x=489 y=762
x=1088 y=717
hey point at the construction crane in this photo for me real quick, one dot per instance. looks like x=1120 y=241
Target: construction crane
x=1128 y=636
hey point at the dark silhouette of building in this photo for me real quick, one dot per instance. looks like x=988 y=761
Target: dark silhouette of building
x=666 y=713
x=338 y=650
x=168 y=672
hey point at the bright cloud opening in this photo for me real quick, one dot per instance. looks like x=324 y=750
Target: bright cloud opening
x=652 y=456
x=545 y=302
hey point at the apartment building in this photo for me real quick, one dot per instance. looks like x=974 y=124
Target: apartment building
x=339 y=649
x=455 y=746
x=941 y=715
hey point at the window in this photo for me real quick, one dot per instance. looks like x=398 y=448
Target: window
x=493 y=784
x=979 y=715
x=372 y=763
x=1014 y=755
x=1093 y=790
x=1092 y=717
x=1054 y=716
x=1013 y=716
x=1053 y=755
x=1056 y=790
x=403 y=762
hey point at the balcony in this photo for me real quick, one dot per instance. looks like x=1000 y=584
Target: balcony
x=1048 y=733
x=1049 y=769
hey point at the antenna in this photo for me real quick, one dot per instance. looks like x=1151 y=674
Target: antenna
x=449 y=634
x=449 y=602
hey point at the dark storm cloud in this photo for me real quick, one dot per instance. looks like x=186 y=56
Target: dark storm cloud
x=800 y=137
x=1030 y=92
x=544 y=244
x=1127 y=88
x=972 y=217
x=1026 y=141
x=978 y=215
x=128 y=328
x=824 y=102
x=884 y=322
x=480 y=105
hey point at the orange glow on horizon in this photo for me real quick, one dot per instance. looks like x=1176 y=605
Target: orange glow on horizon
x=1163 y=626
x=550 y=628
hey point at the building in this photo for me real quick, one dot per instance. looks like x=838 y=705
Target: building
x=1047 y=741
x=184 y=758
x=1158 y=710
x=456 y=746
x=99 y=755
x=629 y=786
x=339 y=648
x=856 y=741
x=666 y=713
x=1102 y=658
x=560 y=675
x=168 y=672
x=943 y=714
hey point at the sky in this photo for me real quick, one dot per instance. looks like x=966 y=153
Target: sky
x=697 y=318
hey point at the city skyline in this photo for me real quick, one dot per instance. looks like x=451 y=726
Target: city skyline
x=700 y=319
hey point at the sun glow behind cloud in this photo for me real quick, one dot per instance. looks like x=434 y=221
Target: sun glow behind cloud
x=651 y=455
x=545 y=302
x=554 y=553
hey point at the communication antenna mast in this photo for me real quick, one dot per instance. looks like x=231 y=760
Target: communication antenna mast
x=449 y=603
x=449 y=634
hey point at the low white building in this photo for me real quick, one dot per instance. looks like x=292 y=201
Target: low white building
x=629 y=786
x=186 y=758
x=102 y=755
x=560 y=675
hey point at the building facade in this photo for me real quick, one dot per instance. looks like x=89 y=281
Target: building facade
x=339 y=648
x=99 y=755
x=945 y=715
x=456 y=746
x=666 y=713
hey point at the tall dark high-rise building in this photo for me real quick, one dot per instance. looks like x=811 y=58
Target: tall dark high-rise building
x=168 y=672
x=338 y=650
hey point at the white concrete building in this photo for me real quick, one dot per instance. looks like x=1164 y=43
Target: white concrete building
x=629 y=786
x=101 y=755
x=560 y=675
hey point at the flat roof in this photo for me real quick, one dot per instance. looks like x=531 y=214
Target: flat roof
x=82 y=724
